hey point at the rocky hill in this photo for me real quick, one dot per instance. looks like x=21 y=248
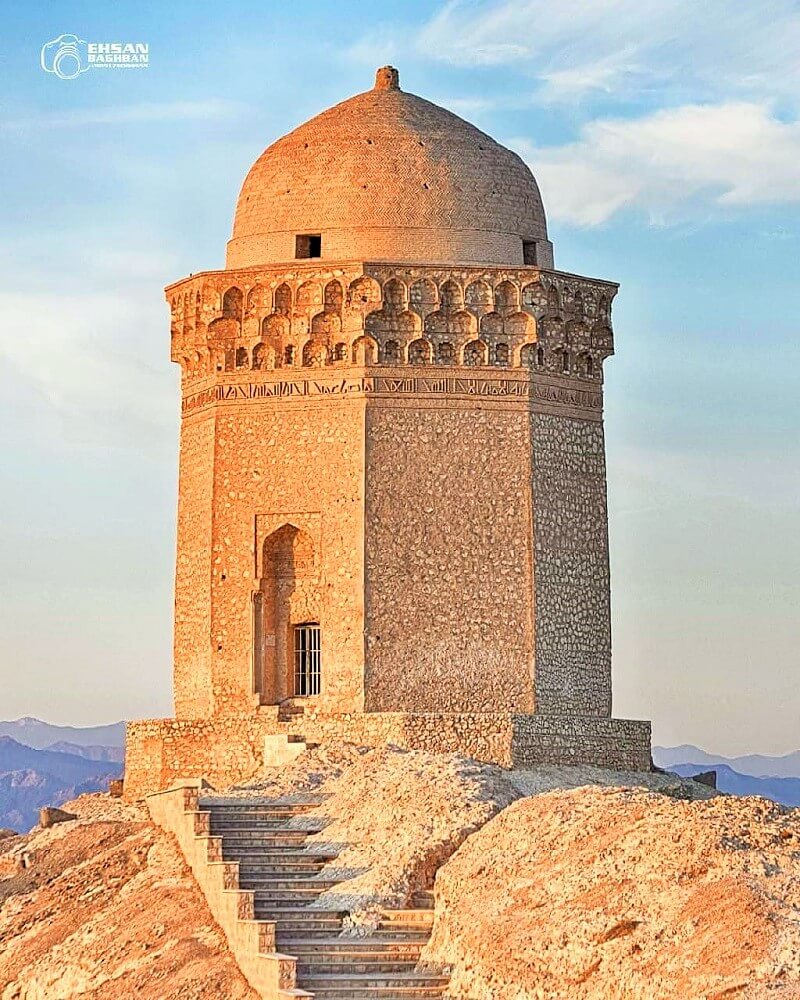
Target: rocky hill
x=31 y=778
x=753 y=764
x=783 y=790
x=568 y=883
x=105 y=909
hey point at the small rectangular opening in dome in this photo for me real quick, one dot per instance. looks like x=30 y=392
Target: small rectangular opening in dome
x=529 y=252
x=308 y=245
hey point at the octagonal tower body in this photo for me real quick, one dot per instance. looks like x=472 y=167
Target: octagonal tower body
x=392 y=429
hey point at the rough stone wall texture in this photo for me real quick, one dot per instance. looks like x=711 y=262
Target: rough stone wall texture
x=340 y=398
x=192 y=684
x=573 y=615
x=448 y=563
x=277 y=465
x=227 y=750
x=620 y=744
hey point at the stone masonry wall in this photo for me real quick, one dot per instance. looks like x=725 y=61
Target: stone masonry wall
x=618 y=744
x=573 y=615
x=448 y=563
x=383 y=408
x=192 y=684
x=229 y=750
x=299 y=464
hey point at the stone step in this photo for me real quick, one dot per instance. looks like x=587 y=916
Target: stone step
x=276 y=839
x=309 y=932
x=302 y=882
x=411 y=993
x=266 y=898
x=295 y=854
x=265 y=825
x=264 y=843
x=264 y=839
x=354 y=987
x=258 y=825
x=309 y=948
x=417 y=917
x=380 y=993
x=257 y=815
x=265 y=859
x=422 y=899
x=290 y=918
x=272 y=807
x=255 y=872
x=354 y=965
x=261 y=832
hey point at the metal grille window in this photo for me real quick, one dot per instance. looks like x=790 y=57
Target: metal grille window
x=306 y=659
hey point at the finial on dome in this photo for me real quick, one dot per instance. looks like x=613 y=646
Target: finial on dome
x=387 y=78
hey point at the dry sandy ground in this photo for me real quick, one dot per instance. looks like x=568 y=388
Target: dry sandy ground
x=106 y=910
x=608 y=893
x=545 y=889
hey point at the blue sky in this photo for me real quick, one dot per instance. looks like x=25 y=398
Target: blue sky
x=666 y=140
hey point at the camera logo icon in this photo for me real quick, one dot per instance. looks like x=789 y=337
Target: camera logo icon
x=66 y=56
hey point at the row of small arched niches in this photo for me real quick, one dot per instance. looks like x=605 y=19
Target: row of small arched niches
x=475 y=353
x=423 y=296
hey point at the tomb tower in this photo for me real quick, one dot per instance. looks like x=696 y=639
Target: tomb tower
x=392 y=510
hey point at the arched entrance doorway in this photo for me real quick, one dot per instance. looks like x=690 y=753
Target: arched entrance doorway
x=286 y=611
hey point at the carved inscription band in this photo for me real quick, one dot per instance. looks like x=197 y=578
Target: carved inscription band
x=497 y=388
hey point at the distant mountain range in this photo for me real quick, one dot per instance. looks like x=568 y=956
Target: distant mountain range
x=44 y=765
x=776 y=778
x=755 y=765
x=41 y=735
x=783 y=790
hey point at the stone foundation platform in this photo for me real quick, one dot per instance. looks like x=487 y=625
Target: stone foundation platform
x=229 y=749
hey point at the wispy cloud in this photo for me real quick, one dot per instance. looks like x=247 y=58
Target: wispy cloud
x=82 y=354
x=627 y=47
x=381 y=44
x=129 y=114
x=734 y=154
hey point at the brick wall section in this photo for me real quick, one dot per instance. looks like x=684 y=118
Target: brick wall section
x=413 y=244
x=387 y=174
x=297 y=465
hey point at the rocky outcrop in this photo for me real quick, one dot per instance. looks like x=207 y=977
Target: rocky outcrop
x=50 y=816
x=104 y=908
x=400 y=813
x=542 y=889
x=604 y=893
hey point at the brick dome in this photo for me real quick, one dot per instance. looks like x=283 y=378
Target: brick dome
x=387 y=175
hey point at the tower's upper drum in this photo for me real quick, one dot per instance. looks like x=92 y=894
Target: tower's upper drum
x=387 y=175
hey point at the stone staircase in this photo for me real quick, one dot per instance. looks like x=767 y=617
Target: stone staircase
x=291 y=710
x=268 y=843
